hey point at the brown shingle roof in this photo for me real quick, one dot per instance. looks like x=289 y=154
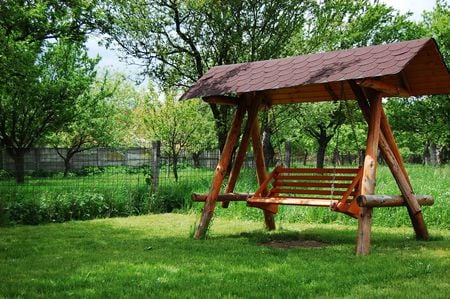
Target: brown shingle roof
x=416 y=65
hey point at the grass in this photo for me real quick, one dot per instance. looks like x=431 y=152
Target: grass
x=154 y=256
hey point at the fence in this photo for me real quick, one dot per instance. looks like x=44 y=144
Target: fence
x=129 y=169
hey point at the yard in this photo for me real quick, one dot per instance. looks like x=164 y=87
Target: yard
x=154 y=256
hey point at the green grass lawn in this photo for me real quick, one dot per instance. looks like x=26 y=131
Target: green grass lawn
x=154 y=257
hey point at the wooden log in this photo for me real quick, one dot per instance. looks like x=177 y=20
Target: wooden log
x=242 y=151
x=223 y=197
x=389 y=136
x=261 y=173
x=370 y=161
x=364 y=231
x=383 y=87
x=397 y=169
x=220 y=173
x=221 y=100
x=369 y=175
x=401 y=177
x=391 y=201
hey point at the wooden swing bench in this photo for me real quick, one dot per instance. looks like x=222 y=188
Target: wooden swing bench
x=335 y=188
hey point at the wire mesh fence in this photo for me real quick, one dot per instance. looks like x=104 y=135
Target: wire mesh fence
x=104 y=182
x=115 y=168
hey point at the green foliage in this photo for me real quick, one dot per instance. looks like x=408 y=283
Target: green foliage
x=180 y=126
x=43 y=69
x=94 y=124
x=73 y=205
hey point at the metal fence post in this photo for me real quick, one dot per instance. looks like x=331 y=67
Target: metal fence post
x=155 y=163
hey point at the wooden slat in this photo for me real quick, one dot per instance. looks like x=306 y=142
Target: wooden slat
x=314 y=202
x=307 y=191
x=319 y=170
x=309 y=184
x=314 y=178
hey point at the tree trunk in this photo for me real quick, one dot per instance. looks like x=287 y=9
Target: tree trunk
x=196 y=159
x=67 y=162
x=426 y=154
x=269 y=152
x=18 y=156
x=320 y=158
x=305 y=158
x=434 y=154
x=175 y=167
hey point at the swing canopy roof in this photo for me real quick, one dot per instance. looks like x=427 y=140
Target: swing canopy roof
x=410 y=68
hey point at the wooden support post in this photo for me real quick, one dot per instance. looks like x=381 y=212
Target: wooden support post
x=403 y=183
x=392 y=157
x=261 y=170
x=220 y=172
x=252 y=109
x=369 y=176
x=389 y=136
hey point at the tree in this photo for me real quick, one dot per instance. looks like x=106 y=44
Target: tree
x=335 y=25
x=43 y=101
x=183 y=39
x=43 y=69
x=93 y=126
x=425 y=121
x=179 y=125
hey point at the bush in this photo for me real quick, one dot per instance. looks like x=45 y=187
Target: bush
x=68 y=205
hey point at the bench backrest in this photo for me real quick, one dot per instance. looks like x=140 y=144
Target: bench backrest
x=341 y=184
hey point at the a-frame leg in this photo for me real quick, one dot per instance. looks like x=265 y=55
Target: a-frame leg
x=220 y=172
x=369 y=176
x=252 y=109
x=393 y=159
x=261 y=171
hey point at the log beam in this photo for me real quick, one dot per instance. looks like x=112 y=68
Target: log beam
x=252 y=109
x=391 y=201
x=221 y=100
x=199 y=197
x=388 y=148
x=261 y=173
x=369 y=176
x=383 y=87
x=220 y=173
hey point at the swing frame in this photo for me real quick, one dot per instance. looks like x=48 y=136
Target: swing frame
x=367 y=90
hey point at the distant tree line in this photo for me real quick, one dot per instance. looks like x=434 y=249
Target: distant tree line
x=52 y=94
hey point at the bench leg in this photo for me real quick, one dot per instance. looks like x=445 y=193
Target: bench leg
x=364 y=230
x=269 y=220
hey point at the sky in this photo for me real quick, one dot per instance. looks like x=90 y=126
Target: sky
x=111 y=61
